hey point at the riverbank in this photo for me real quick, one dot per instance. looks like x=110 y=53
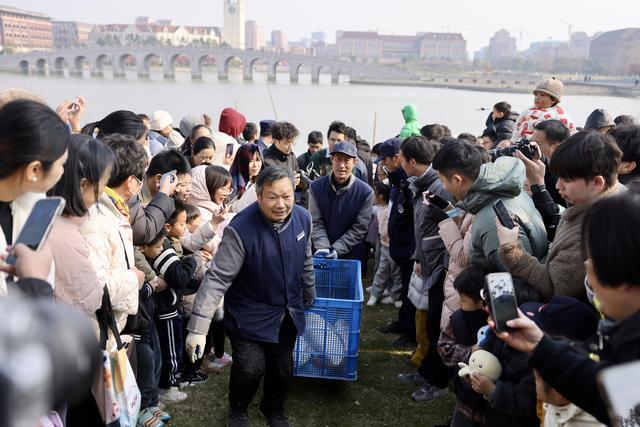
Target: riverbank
x=489 y=85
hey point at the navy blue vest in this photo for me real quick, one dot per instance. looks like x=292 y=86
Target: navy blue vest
x=268 y=284
x=340 y=211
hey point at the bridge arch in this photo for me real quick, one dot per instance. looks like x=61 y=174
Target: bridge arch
x=24 y=67
x=257 y=66
x=280 y=66
x=101 y=61
x=206 y=62
x=42 y=67
x=231 y=62
x=151 y=59
x=79 y=64
x=60 y=64
x=319 y=71
x=179 y=60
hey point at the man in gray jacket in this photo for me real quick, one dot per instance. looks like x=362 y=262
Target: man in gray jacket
x=341 y=206
x=416 y=155
x=264 y=270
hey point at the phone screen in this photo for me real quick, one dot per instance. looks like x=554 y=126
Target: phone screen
x=38 y=224
x=502 y=297
x=229 y=151
x=503 y=214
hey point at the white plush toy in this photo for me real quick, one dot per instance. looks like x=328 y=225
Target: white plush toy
x=481 y=362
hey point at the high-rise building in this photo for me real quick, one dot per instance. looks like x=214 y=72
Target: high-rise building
x=278 y=40
x=254 y=35
x=502 y=46
x=319 y=36
x=24 y=31
x=234 y=32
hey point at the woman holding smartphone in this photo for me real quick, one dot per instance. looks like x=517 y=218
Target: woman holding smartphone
x=33 y=151
x=247 y=166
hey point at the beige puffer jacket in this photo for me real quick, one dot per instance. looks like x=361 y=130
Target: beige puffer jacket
x=110 y=239
x=456 y=235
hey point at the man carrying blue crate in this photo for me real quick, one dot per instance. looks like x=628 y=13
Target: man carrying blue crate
x=264 y=270
x=341 y=206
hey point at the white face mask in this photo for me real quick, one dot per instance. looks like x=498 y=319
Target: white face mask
x=385 y=181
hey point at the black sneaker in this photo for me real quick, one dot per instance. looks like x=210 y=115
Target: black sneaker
x=391 y=328
x=278 y=421
x=193 y=378
x=238 y=420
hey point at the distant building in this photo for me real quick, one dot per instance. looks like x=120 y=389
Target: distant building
x=319 y=36
x=234 y=32
x=502 y=46
x=444 y=47
x=278 y=41
x=254 y=35
x=153 y=34
x=430 y=46
x=579 y=45
x=24 y=31
x=618 y=51
x=68 y=34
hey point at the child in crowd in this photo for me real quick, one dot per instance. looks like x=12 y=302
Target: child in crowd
x=576 y=321
x=547 y=96
x=459 y=339
x=194 y=218
x=511 y=400
x=179 y=276
x=388 y=272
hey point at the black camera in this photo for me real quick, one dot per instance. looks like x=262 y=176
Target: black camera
x=524 y=146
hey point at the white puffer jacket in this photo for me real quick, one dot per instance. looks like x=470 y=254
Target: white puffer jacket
x=20 y=210
x=110 y=239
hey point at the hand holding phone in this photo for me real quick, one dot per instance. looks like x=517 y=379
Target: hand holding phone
x=229 y=150
x=502 y=301
x=434 y=199
x=503 y=215
x=168 y=182
x=38 y=225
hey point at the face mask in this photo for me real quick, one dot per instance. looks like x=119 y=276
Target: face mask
x=385 y=181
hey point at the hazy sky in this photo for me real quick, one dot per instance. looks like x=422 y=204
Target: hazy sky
x=476 y=20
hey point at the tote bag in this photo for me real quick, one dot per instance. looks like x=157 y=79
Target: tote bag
x=115 y=390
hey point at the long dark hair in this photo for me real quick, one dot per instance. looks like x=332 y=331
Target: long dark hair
x=240 y=165
x=30 y=131
x=122 y=121
x=88 y=159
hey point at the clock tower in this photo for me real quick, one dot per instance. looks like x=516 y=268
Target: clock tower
x=234 y=23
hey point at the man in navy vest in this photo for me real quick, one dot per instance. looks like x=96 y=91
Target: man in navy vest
x=341 y=207
x=264 y=269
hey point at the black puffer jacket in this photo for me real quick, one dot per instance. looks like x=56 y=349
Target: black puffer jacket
x=503 y=127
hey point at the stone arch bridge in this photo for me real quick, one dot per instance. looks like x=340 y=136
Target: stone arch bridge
x=199 y=60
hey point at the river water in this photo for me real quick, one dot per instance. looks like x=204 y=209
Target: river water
x=309 y=106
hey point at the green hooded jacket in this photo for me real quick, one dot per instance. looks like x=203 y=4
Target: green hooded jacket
x=504 y=180
x=412 y=126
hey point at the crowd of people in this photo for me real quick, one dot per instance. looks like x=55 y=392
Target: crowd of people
x=197 y=235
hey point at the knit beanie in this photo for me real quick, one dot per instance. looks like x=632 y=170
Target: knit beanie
x=552 y=87
x=160 y=120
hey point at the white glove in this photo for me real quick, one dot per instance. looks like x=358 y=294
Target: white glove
x=332 y=254
x=195 y=346
x=322 y=253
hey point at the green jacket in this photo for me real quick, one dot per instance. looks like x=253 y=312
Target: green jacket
x=411 y=127
x=504 y=180
x=321 y=163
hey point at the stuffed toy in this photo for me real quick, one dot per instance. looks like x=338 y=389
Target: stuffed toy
x=481 y=362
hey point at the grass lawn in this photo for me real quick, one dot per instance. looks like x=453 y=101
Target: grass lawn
x=376 y=398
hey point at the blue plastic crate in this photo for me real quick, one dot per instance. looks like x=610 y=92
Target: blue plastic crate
x=329 y=346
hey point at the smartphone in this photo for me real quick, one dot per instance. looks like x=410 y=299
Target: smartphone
x=435 y=200
x=229 y=151
x=36 y=229
x=619 y=386
x=502 y=299
x=503 y=215
x=171 y=176
x=231 y=199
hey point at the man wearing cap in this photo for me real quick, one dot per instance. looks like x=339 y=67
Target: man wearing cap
x=341 y=207
x=265 y=135
x=401 y=237
x=162 y=135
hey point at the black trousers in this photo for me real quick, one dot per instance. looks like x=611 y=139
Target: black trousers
x=407 y=313
x=253 y=360
x=432 y=367
x=149 y=358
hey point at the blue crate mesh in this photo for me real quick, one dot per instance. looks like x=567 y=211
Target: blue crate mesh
x=329 y=346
